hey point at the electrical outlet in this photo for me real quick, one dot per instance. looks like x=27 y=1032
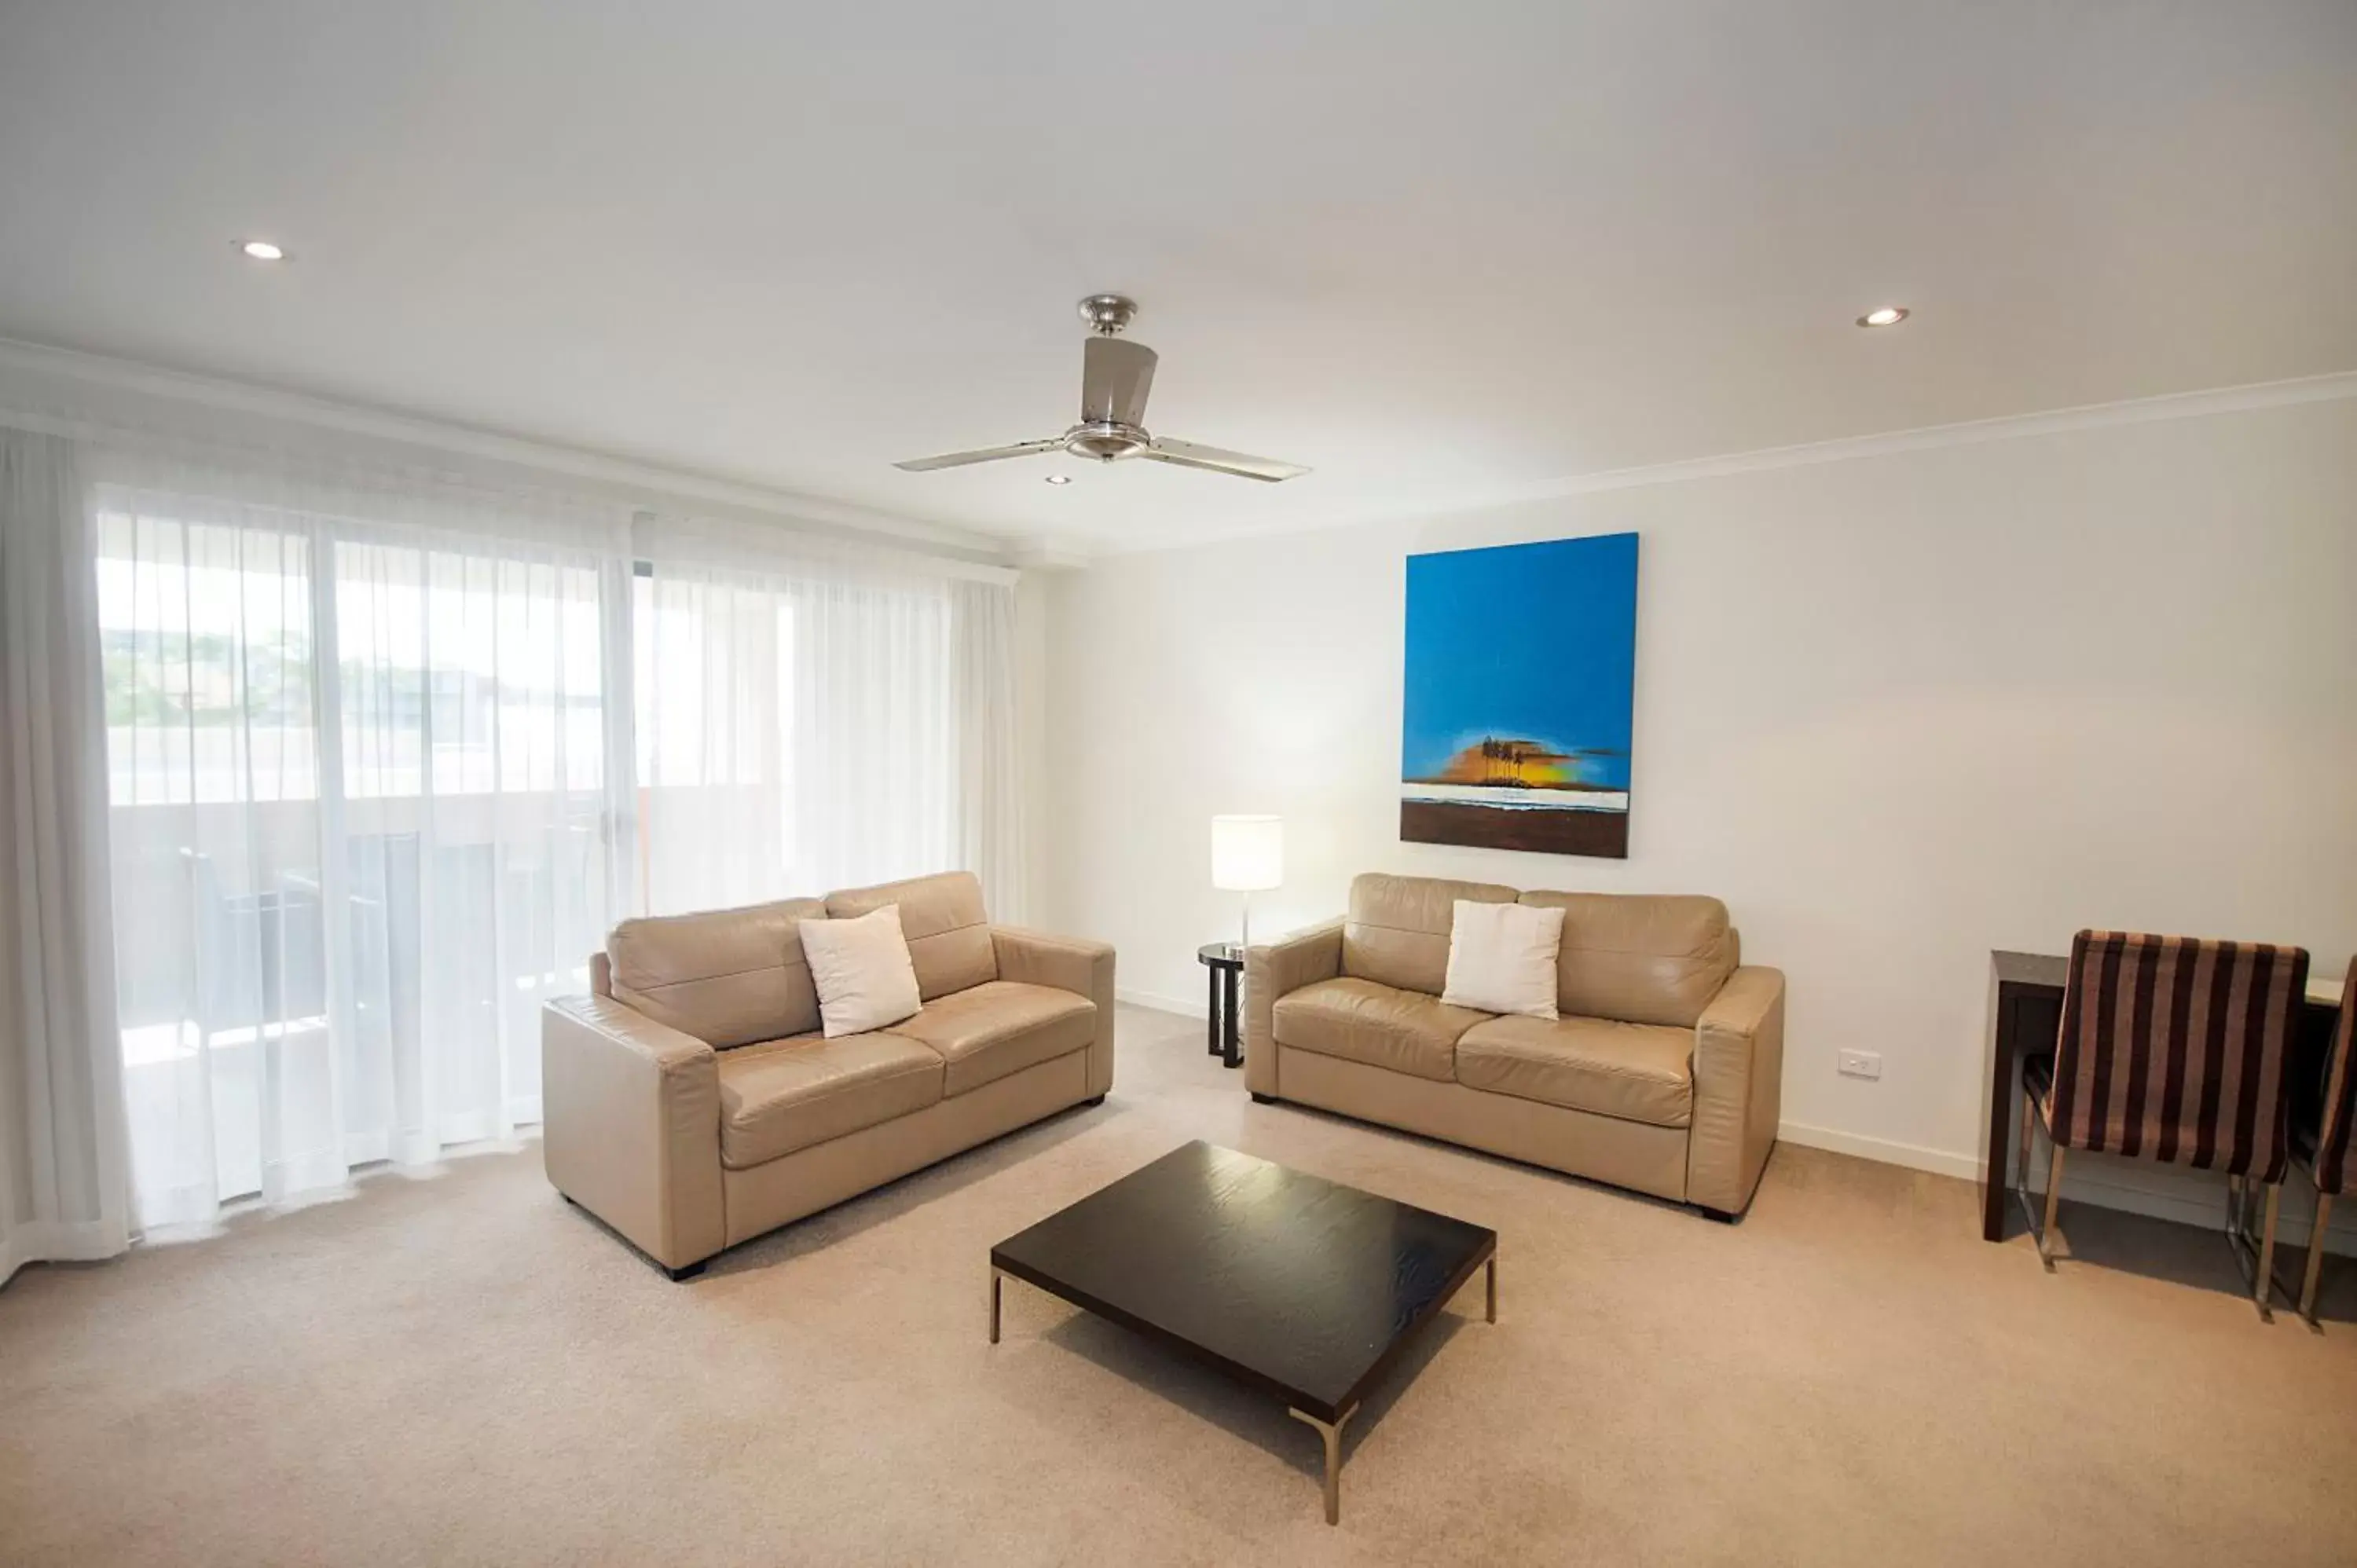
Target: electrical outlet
x=1860 y=1064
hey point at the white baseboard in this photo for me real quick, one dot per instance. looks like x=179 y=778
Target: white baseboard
x=1197 y=1007
x=1914 y=1156
x=2200 y=1199
x=2155 y=1192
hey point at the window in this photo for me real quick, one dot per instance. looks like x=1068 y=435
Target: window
x=491 y=668
x=207 y=645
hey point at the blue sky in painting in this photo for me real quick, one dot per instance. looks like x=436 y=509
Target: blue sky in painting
x=1525 y=642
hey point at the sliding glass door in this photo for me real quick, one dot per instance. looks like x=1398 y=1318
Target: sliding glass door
x=361 y=830
x=470 y=703
x=210 y=678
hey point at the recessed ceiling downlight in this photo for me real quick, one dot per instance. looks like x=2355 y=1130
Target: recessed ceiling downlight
x=1889 y=316
x=1059 y=478
x=260 y=251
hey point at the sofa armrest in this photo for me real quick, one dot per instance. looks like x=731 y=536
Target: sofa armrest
x=630 y=1125
x=1739 y=1089
x=1067 y=963
x=1270 y=971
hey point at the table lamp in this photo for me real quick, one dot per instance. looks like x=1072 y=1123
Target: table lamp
x=1247 y=857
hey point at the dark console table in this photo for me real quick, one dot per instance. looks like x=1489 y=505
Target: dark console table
x=2025 y=1014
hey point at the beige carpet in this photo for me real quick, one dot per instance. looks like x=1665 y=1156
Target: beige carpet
x=462 y=1369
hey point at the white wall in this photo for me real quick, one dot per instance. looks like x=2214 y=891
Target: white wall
x=1896 y=710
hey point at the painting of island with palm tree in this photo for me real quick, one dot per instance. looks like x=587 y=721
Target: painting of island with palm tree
x=1520 y=689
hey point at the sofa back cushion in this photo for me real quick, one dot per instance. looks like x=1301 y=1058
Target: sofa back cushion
x=1397 y=930
x=944 y=920
x=1640 y=957
x=729 y=977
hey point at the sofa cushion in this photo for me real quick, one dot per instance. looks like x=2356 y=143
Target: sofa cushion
x=1502 y=958
x=783 y=1095
x=1000 y=1027
x=1640 y=957
x=945 y=924
x=1382 y=1025
x=728 y=977
x=1638 y=1072
x=1397 y=932
x=863 y=971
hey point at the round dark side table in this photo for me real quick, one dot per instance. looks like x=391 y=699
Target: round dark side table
x=1224 y=962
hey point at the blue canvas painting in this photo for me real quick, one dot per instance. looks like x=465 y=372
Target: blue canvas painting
x=1522 y=665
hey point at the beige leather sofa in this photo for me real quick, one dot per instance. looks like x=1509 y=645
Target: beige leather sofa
x=1664 y=1073
x=692 y=1103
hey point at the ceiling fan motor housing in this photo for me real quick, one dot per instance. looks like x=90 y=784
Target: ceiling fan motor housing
x=1106 y=440
x=1108 y=313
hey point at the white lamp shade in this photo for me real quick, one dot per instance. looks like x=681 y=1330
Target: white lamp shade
x=1247 y=853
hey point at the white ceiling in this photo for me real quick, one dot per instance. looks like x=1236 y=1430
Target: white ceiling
x=1437 y=252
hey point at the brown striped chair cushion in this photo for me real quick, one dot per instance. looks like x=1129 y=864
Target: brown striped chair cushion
x=2174 y=1049
x=2339 y=1099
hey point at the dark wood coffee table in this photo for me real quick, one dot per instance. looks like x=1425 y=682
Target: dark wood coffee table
x=1292 y=1285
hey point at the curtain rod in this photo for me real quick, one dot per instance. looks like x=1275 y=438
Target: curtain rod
x=754 y=531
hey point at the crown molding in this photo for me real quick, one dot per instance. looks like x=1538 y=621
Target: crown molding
x=107 y=382
x=1973 y=433
x=2334 y=387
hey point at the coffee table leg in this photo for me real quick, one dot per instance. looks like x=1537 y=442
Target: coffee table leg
x=1333 y=1436
x=994 y=1277
x=1494 y=1287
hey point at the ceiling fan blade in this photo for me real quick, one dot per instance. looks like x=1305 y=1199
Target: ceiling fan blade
x=1115 y=376
x=986 y=454
x=1220 y=460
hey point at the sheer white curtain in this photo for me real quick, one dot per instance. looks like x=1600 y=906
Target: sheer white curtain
x=63 y=1188
x=364 y=812
x=805 y=724
x=990 y=825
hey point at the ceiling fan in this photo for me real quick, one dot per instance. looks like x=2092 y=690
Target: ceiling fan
x=1115 y=375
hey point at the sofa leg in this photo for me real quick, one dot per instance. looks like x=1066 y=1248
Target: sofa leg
x=1093 y=1100
x=688 y=1273
x=1260 y=1099
x=1721 y=1215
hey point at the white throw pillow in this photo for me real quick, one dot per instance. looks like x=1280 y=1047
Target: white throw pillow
x=863 y=971
x=1502 y=958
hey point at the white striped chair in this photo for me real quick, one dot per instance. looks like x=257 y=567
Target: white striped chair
x=2171 y=1048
